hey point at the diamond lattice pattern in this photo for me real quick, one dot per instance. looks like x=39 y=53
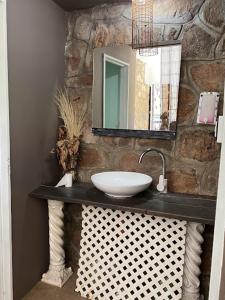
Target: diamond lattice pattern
x=131 y=256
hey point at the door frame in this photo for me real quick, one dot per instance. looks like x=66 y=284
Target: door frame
x=116 y=61
x=218 y=242
x=6 y=286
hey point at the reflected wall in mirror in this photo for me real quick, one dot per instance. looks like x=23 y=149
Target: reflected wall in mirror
x=133 y=92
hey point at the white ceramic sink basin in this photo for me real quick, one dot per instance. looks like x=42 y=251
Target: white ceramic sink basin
x=121 y=184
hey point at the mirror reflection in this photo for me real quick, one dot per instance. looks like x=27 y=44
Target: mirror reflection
x=136 y=92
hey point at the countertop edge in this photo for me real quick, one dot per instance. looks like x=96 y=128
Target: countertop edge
x=77 y=199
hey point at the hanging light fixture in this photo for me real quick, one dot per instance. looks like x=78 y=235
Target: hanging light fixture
x=142 y=27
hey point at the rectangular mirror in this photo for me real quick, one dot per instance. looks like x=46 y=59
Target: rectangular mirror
x=136 y=95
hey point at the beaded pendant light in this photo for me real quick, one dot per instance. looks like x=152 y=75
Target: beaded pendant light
x=142 y=27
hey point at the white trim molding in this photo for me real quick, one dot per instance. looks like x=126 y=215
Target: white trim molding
x=218 y=243
x=6 y=290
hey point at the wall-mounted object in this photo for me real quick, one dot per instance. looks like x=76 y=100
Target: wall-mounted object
x=136 y=95
x=208 y=107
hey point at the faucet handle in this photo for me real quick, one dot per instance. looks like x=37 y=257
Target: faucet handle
x=162 y=185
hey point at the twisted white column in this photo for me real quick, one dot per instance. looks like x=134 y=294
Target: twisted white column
x=192 y=262
x=57 y=274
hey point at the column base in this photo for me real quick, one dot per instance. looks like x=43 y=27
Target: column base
x=57 y=277
x=192 y=297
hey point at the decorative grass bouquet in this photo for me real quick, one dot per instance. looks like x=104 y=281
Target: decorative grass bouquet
x=69 y=134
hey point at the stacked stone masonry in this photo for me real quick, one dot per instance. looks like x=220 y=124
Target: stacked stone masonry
x=193 y=158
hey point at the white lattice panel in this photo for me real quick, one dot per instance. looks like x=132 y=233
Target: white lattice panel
x=130 y=256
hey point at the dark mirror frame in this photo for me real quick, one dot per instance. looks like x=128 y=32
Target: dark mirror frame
x=145 y=134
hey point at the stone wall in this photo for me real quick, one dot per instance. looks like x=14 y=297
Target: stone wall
x=193 y=158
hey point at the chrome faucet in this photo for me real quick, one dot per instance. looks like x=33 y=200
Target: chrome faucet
x=162 y=185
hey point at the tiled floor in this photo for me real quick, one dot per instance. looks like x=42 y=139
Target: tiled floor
x=44 y=291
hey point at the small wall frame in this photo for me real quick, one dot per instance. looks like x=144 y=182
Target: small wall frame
x=208 y=108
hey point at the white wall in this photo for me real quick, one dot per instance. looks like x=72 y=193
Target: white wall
x=5 y=193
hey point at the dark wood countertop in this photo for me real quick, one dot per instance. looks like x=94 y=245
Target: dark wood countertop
x=187 y=207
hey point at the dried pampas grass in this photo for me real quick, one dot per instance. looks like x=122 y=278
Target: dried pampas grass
x=73 y=118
